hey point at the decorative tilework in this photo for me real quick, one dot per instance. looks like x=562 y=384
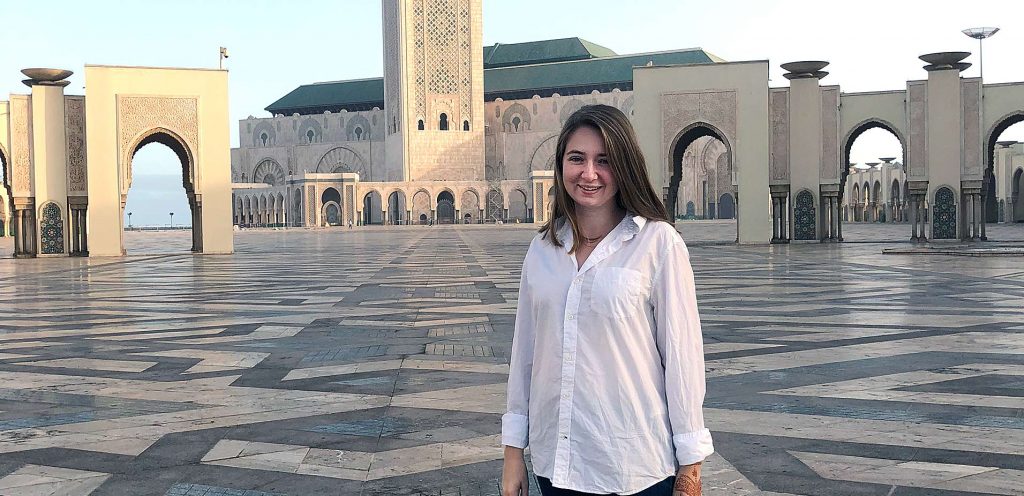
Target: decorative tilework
x=52 y=229
x=944 y=215
x=803 y=213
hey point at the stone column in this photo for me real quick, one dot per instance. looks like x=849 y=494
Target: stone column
x=984 y=217
x=834 y=232
x=978 y=221
x=913 y=219
x=775 y=220
x=19 y=232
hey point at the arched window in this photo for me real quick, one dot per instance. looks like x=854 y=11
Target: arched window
x=465 y=125
x=310 y=135
x=443 y=125
x=359 y=133
x=515 y=124
x=264 y=138
x=419 y=124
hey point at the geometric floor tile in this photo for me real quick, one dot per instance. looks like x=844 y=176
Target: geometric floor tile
x=373 y=361
x=39 y=480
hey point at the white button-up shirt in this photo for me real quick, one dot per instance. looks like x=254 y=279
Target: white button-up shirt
x=607 y=371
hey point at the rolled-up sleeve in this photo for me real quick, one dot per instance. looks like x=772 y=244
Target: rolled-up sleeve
x=681 y=346
x=515 y=424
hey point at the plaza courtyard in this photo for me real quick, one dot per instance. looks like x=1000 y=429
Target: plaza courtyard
x=373 y=361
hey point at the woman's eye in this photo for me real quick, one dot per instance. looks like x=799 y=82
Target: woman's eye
x=602 y=161
x=575 y=158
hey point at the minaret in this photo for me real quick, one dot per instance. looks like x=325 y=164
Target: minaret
x=434 y=89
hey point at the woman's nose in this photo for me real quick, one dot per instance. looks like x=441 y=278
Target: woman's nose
x=588 y=171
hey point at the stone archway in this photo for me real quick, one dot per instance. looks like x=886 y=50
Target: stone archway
x=373 y=210
x=129 y=107
x=684 y=139
x=989 y=202
x=445 y=207
x=469 y=207
x=397 y=208
x=869 y=207
x=185 y=156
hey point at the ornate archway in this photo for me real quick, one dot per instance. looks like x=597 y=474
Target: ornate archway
x=123 y=114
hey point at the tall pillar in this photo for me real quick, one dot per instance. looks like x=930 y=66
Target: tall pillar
x=984 y=218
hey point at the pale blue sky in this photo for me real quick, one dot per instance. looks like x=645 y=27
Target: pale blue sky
x=276 y=46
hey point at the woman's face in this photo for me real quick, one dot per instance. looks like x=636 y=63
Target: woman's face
x=586 y=172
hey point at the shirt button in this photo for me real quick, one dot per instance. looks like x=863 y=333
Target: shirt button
x=570 y=317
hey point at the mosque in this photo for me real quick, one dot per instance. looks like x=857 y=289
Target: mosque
x=450 y=134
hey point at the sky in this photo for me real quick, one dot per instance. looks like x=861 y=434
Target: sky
x=276 y=46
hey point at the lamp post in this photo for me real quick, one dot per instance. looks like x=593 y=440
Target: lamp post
x=223 y=55
x=980 y=34
x=172 y=220
x=129 y=221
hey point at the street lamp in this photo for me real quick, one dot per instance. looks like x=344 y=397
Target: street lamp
x=980 y=34
x=172 y=220
x=129 y=220
x=223 y=55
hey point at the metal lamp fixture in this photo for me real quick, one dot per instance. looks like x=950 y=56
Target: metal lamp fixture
x=980 y=34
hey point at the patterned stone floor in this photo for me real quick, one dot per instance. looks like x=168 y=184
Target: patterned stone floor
x=373 y=362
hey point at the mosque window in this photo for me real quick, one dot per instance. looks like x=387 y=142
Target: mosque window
x=443 y=124
x=419 y=124
x=264 y=138
x=465 y=125
x=515 y=124
x=310 y=135
x=359 y=133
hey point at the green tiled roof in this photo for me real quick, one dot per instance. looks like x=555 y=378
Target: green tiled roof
x=356 y=94
x=592 y=72
x=538 y=52
x=586 y=67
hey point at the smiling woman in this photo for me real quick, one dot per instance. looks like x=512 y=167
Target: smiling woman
x=607 y=349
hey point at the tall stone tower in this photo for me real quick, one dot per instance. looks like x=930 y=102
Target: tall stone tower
x=434 y=88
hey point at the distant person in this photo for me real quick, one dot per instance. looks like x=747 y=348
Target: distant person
x=606 y=381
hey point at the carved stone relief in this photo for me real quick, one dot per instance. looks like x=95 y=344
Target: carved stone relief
x=917 y=159
x=679 y=110
x=971 y=112
x=139 y=114
x=830 y=134
x=74 y=124
x=21 y=146
x=779 y=146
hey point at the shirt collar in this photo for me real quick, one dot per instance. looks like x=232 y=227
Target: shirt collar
x=630 y=226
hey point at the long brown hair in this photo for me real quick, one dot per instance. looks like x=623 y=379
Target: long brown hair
x=636 y=195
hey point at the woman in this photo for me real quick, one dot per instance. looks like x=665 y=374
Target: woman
x=607 y=370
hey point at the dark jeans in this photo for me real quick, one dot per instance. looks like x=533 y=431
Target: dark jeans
x=663 y=488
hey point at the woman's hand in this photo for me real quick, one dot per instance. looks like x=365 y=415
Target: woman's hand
x=513 y=473
x=687 y=481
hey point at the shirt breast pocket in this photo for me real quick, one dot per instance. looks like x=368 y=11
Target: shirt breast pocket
x=617 y=293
